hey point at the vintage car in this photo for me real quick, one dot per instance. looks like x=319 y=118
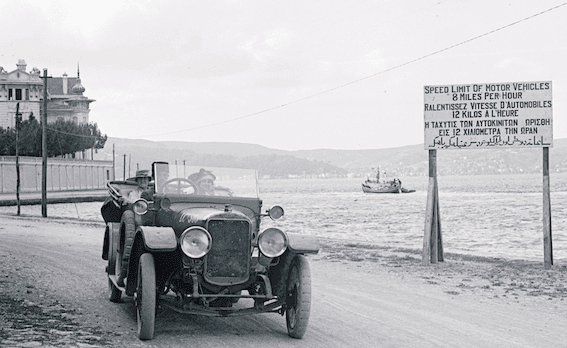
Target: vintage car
x=203 y=252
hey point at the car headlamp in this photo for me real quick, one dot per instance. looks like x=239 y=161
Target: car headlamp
x=276 y=212
x=272 y=242
x=195 y=242
x=165 y=203
x=140 y=207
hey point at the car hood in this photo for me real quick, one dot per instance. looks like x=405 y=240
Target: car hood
x=199 y=216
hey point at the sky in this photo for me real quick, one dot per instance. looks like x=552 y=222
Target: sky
x=289 y=75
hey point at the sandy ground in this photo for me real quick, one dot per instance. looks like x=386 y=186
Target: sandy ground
x=363 y=294
x=496 y=278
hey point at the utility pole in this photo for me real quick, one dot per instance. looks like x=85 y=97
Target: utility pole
x=18 y=157
x=44 y=148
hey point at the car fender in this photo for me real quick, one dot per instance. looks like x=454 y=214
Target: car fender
x=148 y=239
x=302 y=244
x=158 y=238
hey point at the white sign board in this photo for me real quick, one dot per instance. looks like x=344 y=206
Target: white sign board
x=488 y=115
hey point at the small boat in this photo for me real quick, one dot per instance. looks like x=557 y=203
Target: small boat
x=385 y=186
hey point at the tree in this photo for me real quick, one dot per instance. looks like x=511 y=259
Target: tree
x=7 y=142
x=63 y=138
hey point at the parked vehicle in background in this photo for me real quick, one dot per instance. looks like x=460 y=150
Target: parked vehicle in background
x=202 y=251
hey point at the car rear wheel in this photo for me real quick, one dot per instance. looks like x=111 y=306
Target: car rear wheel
x=128 y=228
x=114 y=294
x=145 y=297
x=298 y=301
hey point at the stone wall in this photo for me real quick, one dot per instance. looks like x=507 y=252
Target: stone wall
x=62 y=174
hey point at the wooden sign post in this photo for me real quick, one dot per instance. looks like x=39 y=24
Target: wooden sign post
x=547 y=240
x=432 y=241
x=479 y=116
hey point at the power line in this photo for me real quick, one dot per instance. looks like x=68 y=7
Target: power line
x=303 y=24
x=365 y=29
x=318 y=29
x=67 y=133
x=366 y=77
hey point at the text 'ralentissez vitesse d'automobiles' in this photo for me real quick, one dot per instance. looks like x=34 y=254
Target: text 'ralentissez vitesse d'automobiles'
x=190 y=239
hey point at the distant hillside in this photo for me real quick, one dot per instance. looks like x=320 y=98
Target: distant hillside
x=403 y=161
x=269 y=162
x=414 y=160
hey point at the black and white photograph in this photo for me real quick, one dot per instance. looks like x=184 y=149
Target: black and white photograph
x=367 y=173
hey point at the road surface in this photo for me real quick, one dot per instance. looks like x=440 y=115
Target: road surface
x=355 y=304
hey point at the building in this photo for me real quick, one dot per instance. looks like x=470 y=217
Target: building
x=21 y=87
x=65 y=99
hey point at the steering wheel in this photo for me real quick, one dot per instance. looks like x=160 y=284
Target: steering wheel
x=177 y=185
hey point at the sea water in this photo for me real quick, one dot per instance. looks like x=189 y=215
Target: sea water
x=495 y=216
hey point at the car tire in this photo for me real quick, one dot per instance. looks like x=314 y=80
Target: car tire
x=298 y=297
x=145 y=297
x=128 y=227
x=111 y=252
x=114 y=294
x=118 y=267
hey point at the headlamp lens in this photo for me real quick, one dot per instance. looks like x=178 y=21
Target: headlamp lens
x=272 y=242
x=195 y=242
x=140 y=207
x=276 y=212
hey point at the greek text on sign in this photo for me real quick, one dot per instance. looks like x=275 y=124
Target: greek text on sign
x=484 y=115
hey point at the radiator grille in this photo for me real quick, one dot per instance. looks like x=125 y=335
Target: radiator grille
x=230 y=252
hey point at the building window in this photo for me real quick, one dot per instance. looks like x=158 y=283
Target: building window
x=75 y=121
x=18 y=94
x=27 y=94
x=10 y=95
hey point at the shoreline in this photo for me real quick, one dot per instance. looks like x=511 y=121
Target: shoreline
x=458 y=274
x=558 y=262
x=325 y=241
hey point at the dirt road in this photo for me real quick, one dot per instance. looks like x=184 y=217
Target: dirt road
x=53 y=291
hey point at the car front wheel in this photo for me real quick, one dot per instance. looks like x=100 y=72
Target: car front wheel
x=145 y=297
x=298 y=297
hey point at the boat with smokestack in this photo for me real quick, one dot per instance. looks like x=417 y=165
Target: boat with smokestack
x=384 y=186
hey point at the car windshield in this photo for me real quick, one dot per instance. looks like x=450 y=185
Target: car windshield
x=204 y=180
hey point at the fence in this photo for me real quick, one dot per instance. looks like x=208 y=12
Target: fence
x=62 y=174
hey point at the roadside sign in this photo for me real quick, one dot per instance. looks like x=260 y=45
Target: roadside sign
x=488 y=115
